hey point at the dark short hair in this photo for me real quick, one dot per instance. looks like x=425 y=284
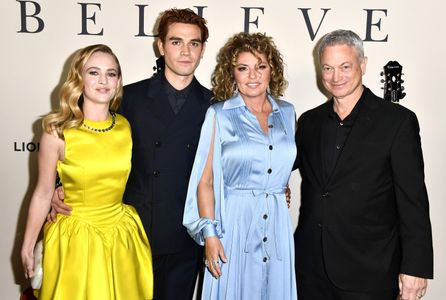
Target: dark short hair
x=186 y=16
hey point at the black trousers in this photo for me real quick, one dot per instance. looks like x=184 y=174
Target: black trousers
x=324 y=289
x=315 y=284
x=175 y=275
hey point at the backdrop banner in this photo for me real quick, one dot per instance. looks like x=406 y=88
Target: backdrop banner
x=39 y=38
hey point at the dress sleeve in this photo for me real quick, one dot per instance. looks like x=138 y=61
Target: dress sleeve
x=197 y=227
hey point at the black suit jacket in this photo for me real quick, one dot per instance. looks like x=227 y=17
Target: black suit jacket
x=372 y=215
x=164 y=146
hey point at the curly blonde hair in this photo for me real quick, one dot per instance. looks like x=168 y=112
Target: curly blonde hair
x=69 y=114
x=223 y=81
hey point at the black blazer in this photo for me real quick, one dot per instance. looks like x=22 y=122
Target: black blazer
x=164 y=146
x=372 y=214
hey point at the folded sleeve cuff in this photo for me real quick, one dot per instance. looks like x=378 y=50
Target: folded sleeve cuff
x=209 y=230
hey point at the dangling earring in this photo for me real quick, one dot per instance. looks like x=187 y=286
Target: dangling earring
x=234 y=88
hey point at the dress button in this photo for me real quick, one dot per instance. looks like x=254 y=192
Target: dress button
x=265 y=216
x=265 y=239
x=157 y=144
x=341 y=123
x=269 y=171
x=270 y=126
x=270 y=147
x=338 y=147
x=319 y=225
x=156 y=173
x=265 y=259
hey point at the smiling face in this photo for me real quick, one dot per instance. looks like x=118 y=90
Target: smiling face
x=252 y=75
x=182 y=50
x=342 y=71
x=100 y=77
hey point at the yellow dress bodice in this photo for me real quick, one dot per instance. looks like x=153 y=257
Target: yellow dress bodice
x=101 y=250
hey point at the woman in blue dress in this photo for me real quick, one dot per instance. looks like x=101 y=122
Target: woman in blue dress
x=236 y=203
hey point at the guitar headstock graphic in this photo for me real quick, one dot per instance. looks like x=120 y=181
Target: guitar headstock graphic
x=393 y=89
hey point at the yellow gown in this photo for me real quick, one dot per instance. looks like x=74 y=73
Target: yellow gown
x=101 y=250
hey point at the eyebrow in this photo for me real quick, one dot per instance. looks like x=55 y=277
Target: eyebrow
x=258 y=64
x=95 y=67
x=341 y=64
x=174 y=38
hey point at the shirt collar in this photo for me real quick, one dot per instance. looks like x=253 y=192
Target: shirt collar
x=171 y=90
x=237 y=101
x=353 y=114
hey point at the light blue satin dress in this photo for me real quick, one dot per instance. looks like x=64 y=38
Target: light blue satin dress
x=251 y=170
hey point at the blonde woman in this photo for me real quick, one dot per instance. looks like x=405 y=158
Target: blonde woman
x=100 y=251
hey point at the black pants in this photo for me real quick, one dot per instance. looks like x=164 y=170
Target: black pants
x=314 y=283
x=324 y=289
x=175 y=275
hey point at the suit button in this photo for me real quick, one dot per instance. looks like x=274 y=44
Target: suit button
x=319 y=225
x=325 y=195
x=269 y=171
x=157 y=144
x=270 y=147
x=156 y=173
x=265 y=216
x=265 y=259
x=265 y=239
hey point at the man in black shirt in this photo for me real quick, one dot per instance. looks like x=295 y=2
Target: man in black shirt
x=364 y=230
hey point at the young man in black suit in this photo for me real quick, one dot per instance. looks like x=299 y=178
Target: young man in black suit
x=166 y=112
x=364 y=230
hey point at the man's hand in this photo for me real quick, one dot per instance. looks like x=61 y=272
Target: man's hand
x=58 y=206
x=411 y=287
x=288 y=196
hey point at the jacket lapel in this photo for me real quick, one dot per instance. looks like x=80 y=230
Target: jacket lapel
x=157 y=102
x=360 y=129
x=315 y=152
x=190 y=112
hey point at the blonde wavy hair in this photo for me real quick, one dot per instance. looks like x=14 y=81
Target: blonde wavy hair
x=223 y=81
x=69 y=114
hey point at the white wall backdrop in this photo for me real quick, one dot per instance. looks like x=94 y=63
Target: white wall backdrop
x=39 y=37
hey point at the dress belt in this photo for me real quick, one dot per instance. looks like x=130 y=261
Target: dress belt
x=271 y=195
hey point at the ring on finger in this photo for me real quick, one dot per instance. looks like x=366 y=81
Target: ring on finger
x=215 y=263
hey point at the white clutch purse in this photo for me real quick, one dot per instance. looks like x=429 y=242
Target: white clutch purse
x=36 y=281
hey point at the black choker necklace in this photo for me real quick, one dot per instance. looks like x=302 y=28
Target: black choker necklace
x=113 y=115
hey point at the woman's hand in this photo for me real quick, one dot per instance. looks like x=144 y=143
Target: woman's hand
x=214 y=253
x=28 y=263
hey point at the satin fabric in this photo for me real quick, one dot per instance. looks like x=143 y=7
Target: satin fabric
x=251 y=170
x=101 y=250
